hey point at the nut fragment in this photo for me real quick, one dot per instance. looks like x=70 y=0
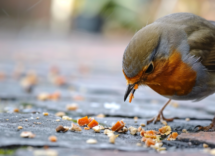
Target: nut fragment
x=139 y=129
x=60 y=114
x=91 y=141
x=112 y=138
x=45 y=113
x=205 y=145
x=96 y=129
x=16 y=110
x=184 y=130
x=187 y=119
x=27 y=134
x=61 y=128
x=100 y=116
x=72 y=107
x=19 y=127
x=52 y=138
x=142 y=124
x=66 y=118
x=132 y=130
x=75 y=127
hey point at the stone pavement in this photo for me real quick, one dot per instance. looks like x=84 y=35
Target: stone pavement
x=90 y=67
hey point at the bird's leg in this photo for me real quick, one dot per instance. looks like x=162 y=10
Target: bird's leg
x=160 y=116
x=210 y=127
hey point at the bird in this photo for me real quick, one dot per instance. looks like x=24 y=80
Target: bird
x=175 y=57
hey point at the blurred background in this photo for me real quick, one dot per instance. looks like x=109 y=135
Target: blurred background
x=46 y=45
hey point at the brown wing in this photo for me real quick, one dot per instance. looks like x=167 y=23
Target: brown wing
x=201 y=39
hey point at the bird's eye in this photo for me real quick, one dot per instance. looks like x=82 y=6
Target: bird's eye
x=150 y=68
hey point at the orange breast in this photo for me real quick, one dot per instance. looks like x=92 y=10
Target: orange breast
x=172 y=76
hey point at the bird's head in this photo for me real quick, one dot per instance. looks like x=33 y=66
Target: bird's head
x=140 y=59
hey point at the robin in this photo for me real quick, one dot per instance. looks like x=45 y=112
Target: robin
x=174 y=56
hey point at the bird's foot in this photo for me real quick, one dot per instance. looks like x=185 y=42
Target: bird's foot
x=206 y=128
x=160 y=118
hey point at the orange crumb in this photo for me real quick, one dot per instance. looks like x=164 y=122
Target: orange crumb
x=150 y=134
x=131 y=97
x=93 y=123
x=89 y=120
x=165 y=130
x=142 y=132
x=136 y=86
x=172 y=136
x=143 y=139
x=16 y=110
x=54 y=96
x=83 y=121
x=86 y=128
x=149 y=142
x=53 y=138
x=118 y=125
x=139 y=129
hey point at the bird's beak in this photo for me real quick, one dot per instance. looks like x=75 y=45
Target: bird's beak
x=128 y=90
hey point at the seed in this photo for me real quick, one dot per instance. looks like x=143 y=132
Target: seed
x=19 y=127
x=91 y=141
x=53 y=138
x=45 y=113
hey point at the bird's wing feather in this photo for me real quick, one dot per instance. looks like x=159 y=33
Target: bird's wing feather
x=201 y=40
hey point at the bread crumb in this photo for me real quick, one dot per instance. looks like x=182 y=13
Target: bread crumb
x=112 y=138
x=27 y=134
x=16 y=110
x=100 y=116
x=37 y=118
x=138 y=144
x=184 y=130
x=58 y=120
x=96 y=129
x=139 y=129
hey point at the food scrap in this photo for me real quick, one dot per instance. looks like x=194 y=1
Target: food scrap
x=83 y=121
x=172 y=136
x=27 y=134
x=91 y=141
x=133 y=130
x=61 y=128
x=60 y=114
x=93 y=123
x=165 y=130
x=118 y=126
x=53 y=138
x=97 y=129
x=72 y=107
x=45 y=113
x=66 y=118
x=75 y=127
x=19 y=127
x=16 y=110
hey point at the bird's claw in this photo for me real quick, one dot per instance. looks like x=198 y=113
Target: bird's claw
x=160 y=118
